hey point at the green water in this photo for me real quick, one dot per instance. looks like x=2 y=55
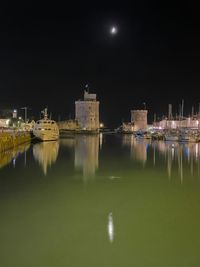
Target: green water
x=100 y=201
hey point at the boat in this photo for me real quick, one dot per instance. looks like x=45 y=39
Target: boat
x=171 y=135
x=189 y=136
x=158 y=135
x=143 y=135
x=46 y=129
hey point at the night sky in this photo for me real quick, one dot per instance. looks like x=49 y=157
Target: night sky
x=50 y=51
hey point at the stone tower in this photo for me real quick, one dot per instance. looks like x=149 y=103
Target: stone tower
x=87 y=112
x=139 y=118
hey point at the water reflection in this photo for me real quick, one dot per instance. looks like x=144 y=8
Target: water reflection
x=110 y=227
x=100 y=140
x=46 y=154
x=11 y=155
x=138 y=147
x=179 y=155
x=136 y=220
x=87 y=154
x=67 y=142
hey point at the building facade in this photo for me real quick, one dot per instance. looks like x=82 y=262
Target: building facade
x=68 y=125
x=174 y=124
x=87 y=112
x=139 y=119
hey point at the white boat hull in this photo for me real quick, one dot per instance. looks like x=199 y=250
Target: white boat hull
x=46 y=135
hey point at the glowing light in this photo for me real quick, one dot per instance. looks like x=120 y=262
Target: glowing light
x=113 y=30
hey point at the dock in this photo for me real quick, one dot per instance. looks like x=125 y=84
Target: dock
x=12 y=139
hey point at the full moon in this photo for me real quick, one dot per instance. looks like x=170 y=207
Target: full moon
x=113 y=30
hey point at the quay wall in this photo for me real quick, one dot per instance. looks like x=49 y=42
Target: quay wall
x=9 y=140
x=70 y=125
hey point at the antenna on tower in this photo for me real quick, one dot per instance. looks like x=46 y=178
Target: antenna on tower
x=87 y=87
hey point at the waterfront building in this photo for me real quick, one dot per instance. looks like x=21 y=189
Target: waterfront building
x=68 y=125
x=138 y=122
x=179 y=121
x=87 y=112
x=127 y=127
x=14 y=114
x=4 y=123
x=175 y=124
x=139 y=119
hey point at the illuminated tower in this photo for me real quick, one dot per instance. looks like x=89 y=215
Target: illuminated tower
x=139 y=118
x=87 y=112
x=14 y=114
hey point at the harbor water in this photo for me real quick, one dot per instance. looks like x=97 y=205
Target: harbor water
x=100 y=201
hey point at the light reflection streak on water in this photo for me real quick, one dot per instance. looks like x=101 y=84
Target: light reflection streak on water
x=100 y=140
x=110 y=227
x=172 y=153
x=196 y=151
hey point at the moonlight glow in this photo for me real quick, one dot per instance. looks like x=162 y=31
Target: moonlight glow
x=113 y=30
